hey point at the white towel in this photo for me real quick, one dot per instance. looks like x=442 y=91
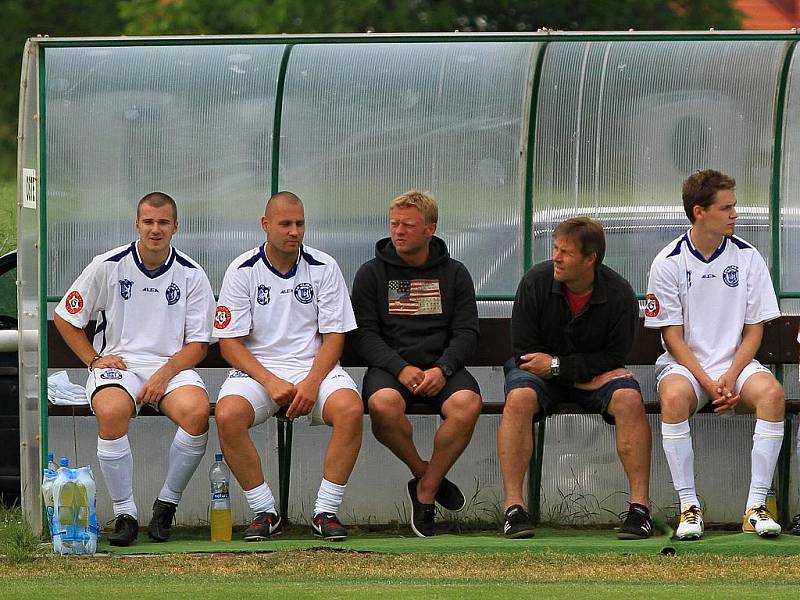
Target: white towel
x=61 y=391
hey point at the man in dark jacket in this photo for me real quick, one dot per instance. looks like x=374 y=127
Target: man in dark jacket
x=573 y=323
x=417 y=327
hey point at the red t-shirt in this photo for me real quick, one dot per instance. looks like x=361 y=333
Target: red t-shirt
x=576 y=303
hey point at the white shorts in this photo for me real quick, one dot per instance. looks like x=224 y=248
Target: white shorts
x=239 y=383
x=132 y=380
x=751 y=368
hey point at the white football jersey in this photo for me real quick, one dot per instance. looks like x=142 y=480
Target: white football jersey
x=282 y=317
x=713 y=299
x=145 y=317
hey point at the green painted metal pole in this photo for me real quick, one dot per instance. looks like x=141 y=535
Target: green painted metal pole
x=284 y=427
x=785 y=458
x=42 y=199
x=535 y=468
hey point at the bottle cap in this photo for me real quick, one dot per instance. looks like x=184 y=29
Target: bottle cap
x=49 y=457
x=218 y=457
x=64 y=461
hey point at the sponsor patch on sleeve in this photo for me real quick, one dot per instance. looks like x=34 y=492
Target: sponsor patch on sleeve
x=651 y=306
x=74 y=302
x=222 y=318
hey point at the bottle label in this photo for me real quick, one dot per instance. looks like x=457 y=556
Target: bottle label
x=219 y=490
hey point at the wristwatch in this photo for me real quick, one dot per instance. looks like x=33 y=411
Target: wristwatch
x=555 y=366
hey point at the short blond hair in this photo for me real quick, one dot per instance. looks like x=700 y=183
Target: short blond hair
x=422 y=201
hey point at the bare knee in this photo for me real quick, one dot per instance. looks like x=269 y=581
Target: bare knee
x=464 y=405
x=772 y=401
x=231 y=418
x=195 y=420
x=522 y=404
x=347 y=413
x=627 y=405
x=675 y=405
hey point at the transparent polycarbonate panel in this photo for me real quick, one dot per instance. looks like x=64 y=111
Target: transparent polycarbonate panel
x=583 y=480
x=620 y=125
x=790 y=182
x=28 y=309
x=193 y=121
x=364 y=123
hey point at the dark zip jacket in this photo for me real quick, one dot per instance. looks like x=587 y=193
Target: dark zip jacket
x=422 y=316
x=595 y=341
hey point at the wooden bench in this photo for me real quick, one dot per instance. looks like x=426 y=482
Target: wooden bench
x=779 y=347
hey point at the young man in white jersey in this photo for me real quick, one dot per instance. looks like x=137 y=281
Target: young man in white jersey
x=710 y=293
x=282 y=317
x=154 y=308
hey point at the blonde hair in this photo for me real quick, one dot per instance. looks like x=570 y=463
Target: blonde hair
x=422 y=201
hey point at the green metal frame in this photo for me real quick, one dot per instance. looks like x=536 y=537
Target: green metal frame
x=543 y=38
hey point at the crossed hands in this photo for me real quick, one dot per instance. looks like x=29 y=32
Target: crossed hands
x=422 y=383
x=300 y=398
x=722 y=393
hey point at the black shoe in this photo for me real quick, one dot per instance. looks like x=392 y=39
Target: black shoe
x=449 y=496
x=126 y=529
x=518 y=524
x=638 y=525
x=328 y=527
x=264 y=525
x=422 y=515
x=796 y=525
x=161 y=523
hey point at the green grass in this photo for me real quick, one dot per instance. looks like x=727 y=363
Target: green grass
x=8 y=216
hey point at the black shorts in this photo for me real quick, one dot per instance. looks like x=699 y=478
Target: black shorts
x=550 y=395
x=377 y=379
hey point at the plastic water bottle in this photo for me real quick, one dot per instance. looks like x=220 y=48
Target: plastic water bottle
x=64 y=462
x=51 y=463
x=219 y=509
x=63 y=506
x=47 y=493
x=86 y=527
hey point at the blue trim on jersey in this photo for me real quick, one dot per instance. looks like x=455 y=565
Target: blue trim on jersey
x=184 y=262
x=720 y=249
x=118 y=257
x=156 y=272
x=292 y=272
x=250 y=262
x=677 y=249
x=310 y=259
x=740 y=243
x=101 y=329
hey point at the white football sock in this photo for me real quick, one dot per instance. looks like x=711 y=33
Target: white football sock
x=329 y=497
x=185 y=455
x=677 y=441
x=260 y=499
x=116 y=463
x=767 y=441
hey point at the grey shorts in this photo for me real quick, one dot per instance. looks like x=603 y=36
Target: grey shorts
x=550 y=394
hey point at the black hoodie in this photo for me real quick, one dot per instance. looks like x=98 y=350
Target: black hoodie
x=422 y=316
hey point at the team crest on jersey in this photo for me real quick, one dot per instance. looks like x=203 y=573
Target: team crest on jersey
x=236 y=373
x=731 y=276
x=651 y=306
x=222 y=318
x=125 y=288
x=74 y=303
x=173 y=294
x=110 y=374
x=262 y=294
x=304 y=293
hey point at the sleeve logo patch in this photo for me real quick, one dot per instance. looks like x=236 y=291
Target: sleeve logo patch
x=651 y=306
x=222 y=318
x=74 y=303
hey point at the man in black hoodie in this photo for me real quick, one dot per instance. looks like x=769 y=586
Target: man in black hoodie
x=417 y=327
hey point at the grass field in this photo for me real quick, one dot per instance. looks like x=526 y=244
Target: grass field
x=558 y=563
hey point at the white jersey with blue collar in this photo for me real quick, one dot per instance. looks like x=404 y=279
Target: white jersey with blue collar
x=282 y=316
x=713 y=299
x=144 y=316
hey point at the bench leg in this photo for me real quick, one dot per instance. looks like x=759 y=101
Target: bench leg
x=284 y=464
x=535 y=474
x=784 y=471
